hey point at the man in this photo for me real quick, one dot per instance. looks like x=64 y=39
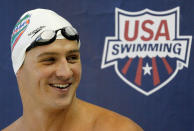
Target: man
x=46 y=61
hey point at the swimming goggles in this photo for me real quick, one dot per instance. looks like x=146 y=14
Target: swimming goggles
x=49 y=36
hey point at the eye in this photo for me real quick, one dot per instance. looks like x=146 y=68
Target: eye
x=73 y=58
x=48 y=61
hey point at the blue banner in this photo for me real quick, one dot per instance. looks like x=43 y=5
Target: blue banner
x=137 y=58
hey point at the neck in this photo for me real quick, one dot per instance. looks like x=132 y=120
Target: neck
x=50 y=119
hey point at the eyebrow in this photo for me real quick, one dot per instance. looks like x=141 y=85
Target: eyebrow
x=74 y=51
x=54 y=53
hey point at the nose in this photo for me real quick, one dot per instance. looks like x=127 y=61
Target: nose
x=63 y=70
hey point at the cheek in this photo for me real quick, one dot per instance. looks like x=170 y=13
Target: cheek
x=36 y=75
x=44 y=72
x=28 y=80
x=77 y=70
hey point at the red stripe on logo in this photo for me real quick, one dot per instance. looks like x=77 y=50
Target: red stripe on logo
x=168 y=67
x=126 y=67
x=156 y=78
x=139 y=72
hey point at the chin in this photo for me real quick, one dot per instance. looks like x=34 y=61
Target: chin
x=62 y=103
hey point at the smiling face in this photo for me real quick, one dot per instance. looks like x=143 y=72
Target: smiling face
x=50 y=75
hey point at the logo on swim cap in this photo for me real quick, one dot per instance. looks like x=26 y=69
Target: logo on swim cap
x=19 y=29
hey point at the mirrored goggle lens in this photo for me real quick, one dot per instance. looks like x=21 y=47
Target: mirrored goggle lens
x=71 y=31
x=45 y=36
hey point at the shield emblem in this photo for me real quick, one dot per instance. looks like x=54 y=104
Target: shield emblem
x=147 y=51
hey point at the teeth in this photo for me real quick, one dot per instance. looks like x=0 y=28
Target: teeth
x=60 y=85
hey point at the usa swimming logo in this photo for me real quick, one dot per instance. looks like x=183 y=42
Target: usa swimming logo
x=147 y=50
x=19 y=29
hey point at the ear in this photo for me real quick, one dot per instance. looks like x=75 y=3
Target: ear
x=18 y=73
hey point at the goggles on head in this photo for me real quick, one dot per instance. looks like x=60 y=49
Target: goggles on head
x=49 y=36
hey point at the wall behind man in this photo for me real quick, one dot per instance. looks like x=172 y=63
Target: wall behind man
x=169 y=109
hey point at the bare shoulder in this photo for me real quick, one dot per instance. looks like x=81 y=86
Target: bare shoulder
x=13 y=127
x=117 y=122
x=106 y=120
x=9 y=128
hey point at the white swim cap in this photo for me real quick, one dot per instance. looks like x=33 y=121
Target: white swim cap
x=28 y=27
